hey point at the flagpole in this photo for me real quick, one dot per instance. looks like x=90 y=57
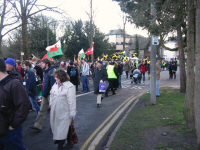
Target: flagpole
x=92 y=55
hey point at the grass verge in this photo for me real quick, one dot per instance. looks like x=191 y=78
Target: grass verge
x=156 y=127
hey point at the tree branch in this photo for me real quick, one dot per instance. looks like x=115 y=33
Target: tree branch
x=12 y=30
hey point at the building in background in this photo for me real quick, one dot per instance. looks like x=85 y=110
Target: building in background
x=116 y=37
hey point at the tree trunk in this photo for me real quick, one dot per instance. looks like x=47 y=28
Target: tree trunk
x=1 y=26
x=197 y=74
x=188 y=110
x=1 y=54
x=181 y=60
x=25 y=36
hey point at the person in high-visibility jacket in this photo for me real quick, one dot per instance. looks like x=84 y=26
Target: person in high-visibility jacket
x=163 y=65
x=112 y=76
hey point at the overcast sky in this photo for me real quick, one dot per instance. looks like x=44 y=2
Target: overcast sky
x=108 y=15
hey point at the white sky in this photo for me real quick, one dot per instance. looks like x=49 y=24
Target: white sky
x=107 y=14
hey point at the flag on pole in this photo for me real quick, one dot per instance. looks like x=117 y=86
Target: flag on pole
x=81 y=54
x=54 y=50
x=90 y=50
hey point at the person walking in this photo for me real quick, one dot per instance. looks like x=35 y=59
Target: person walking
x=73 y=74
x=30 y=85
x=85 y=74
x=120 y=70
x=98 y=75
x=174 y=69
x=170 y=70
x=112 y=76
x=158 y=70
x=19 y=67
x=14 y=109
x=143 y=70
x=48 y=82
x=127 y=68
x=63 y=107
x=148 y=67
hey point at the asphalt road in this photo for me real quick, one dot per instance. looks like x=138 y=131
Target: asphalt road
x=93 y=125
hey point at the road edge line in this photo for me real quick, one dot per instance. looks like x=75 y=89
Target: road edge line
x=107 y=119
x=113 y=134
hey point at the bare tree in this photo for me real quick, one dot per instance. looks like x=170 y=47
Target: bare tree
x=197 y=74
x=90 y=34
x=189 y=98
x=123 y=29
x=25 y=9
x=6 y=10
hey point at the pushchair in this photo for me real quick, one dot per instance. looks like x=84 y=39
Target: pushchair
x=136 y=76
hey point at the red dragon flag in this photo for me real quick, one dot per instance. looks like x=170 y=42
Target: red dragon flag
x=89 y=51
x=54 y=50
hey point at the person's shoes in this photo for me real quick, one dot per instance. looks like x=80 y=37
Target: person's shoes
x=101 y=98
x=98 y=105
x=35 y=128
x=67 y=145
x=83 y=91
x=106 y=95
x=157 y=95
x=114 y=93
x=88 y=90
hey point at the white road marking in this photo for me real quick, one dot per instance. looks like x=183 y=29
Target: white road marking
x=84 y=94
x=107 y=127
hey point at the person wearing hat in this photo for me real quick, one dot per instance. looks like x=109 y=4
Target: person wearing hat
x=11 y=70
x=98 y=75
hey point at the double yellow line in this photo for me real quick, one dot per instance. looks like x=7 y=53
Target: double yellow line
x=97 y=130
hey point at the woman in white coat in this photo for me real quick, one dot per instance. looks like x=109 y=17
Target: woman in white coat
x=63 y=107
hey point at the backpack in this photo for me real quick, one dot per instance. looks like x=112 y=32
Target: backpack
x=72 y=72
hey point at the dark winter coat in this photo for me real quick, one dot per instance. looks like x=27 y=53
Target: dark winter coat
x=39 y=71
x=174 y=67
x=73 y=79
x=14 y=104
x=15 y=73
x=119 y=70
x=30 y=80
x=48 y=81
x=148 y=68
x=99 y=74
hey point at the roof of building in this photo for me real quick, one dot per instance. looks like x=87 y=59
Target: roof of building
x=143 y=42
x=116 y=32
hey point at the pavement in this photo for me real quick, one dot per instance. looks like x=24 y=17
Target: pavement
x=94 y=126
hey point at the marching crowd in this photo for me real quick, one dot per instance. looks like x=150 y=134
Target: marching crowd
x=45 y=84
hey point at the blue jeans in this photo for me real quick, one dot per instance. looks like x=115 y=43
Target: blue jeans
x=34 y=104
x=85 y=83
x=143 y=74
x=126 y=74
x=157 y=87
x=12 y=140
x=120 y=81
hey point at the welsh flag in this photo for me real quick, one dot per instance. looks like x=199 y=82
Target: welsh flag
x=45 y=57
x=81 y=54
x=54 y=50
x=90 y=50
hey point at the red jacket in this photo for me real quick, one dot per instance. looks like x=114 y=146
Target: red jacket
x=143 y=68
x=20 y=69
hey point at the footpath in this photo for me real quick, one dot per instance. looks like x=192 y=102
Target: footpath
x=155 y=127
